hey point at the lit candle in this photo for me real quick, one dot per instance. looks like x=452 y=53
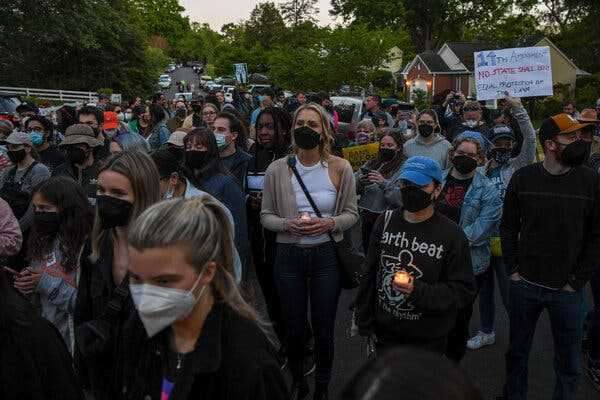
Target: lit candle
x=305 y=216
x=401 y=278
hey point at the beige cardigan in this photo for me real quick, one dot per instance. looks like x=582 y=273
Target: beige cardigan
x=279 y=202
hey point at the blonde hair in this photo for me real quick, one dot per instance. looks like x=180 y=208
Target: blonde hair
x=201 y=225
x=366 y=123
x=143 y=176
x=327 y=136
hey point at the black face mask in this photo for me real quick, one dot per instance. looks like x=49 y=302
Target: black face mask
x=500 y=155
x=181 y=113
x=425 y=130
x=176 y=151
x=76 y=155
x=386 y=154
x=414 y=198
x=306 y=138
x=575 y=153
x=16 y=156
x=464 y=164
x=113 y=212
x=195 y=159
x=46 y=223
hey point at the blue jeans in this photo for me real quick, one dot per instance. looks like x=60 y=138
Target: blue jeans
x=527 y=302
x=302 y=273
x=595 y=320
x=487 y=301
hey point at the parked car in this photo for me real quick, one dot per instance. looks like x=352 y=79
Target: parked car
x=164 y=81
x=8 y=106
x=349 y=109
x=204 y=79
x=184 y=95
x=228 y=90
x=258 y=89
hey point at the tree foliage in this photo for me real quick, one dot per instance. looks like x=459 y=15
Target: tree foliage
x=296 y=12
x=429 y=22
x=63 y=44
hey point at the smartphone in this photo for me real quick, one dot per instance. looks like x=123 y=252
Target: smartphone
x=365 y=171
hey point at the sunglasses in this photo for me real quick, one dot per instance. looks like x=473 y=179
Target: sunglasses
x=471 y=109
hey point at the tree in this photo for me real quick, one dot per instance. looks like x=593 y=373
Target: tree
x=297 y=11
x=265 y=26
x=162 y=18
x=429 y=22
x=351 y=55
x=78 y=51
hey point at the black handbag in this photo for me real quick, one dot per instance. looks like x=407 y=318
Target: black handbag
x=349 y=260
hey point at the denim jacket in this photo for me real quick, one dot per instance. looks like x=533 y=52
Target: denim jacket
x=159 y=135
x=479 y=216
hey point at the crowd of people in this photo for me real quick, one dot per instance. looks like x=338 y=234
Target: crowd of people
x=131 y=235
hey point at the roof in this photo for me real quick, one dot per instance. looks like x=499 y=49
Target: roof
x=434 y=62
x=529 y=40
x=464 y=51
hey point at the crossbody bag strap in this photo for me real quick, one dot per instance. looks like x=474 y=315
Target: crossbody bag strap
x=291 y=161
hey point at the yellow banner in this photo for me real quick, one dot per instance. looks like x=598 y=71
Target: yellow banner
x=358 y=155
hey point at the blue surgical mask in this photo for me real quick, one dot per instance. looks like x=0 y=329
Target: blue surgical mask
x=221 y=141
x=37 y=137
x=261 y=98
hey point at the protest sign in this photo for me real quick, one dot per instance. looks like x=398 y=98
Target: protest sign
x=522 y=72
x=358 y=155
x=241 y=72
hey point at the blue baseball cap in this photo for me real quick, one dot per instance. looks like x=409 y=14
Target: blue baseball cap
x=501 y=131
x=421 y=171
x=477 y=136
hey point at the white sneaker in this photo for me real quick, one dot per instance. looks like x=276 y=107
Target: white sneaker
x=480 y=340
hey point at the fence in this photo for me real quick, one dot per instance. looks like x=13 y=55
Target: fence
x=52 y=94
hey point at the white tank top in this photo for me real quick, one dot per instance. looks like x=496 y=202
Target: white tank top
x=319 y=185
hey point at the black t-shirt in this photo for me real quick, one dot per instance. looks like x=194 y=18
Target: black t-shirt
x=452 y=197
x=436 y=253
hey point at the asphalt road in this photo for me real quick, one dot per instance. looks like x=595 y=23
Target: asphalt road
x=186 y=74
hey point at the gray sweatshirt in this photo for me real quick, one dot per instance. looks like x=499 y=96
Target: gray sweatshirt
x=436 y=150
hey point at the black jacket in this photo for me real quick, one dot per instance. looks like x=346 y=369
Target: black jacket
x=232 y=360
x=103 y=314
x=87 y=179
x=36 y=364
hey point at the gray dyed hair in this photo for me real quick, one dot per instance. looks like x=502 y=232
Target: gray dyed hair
x=201 y=225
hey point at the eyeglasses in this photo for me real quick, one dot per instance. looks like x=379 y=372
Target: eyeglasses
x=460 y=153
x=471 y=109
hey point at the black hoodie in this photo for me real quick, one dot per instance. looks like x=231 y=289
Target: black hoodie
x=436 y=253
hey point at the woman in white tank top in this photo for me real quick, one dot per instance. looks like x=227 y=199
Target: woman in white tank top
x=306 y=259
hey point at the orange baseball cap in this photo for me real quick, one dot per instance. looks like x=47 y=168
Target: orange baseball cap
x=588 y=115
x=111 y=121
x=557 y=124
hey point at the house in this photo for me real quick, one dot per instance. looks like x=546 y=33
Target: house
x=394 y=62
x=452 y=68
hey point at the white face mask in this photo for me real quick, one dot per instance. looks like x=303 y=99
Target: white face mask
x=471 y=123
x=158 y=307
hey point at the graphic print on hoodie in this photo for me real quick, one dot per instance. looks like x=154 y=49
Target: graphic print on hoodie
x=436 y=253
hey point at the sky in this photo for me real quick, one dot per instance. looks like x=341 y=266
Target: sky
x=220 y=12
